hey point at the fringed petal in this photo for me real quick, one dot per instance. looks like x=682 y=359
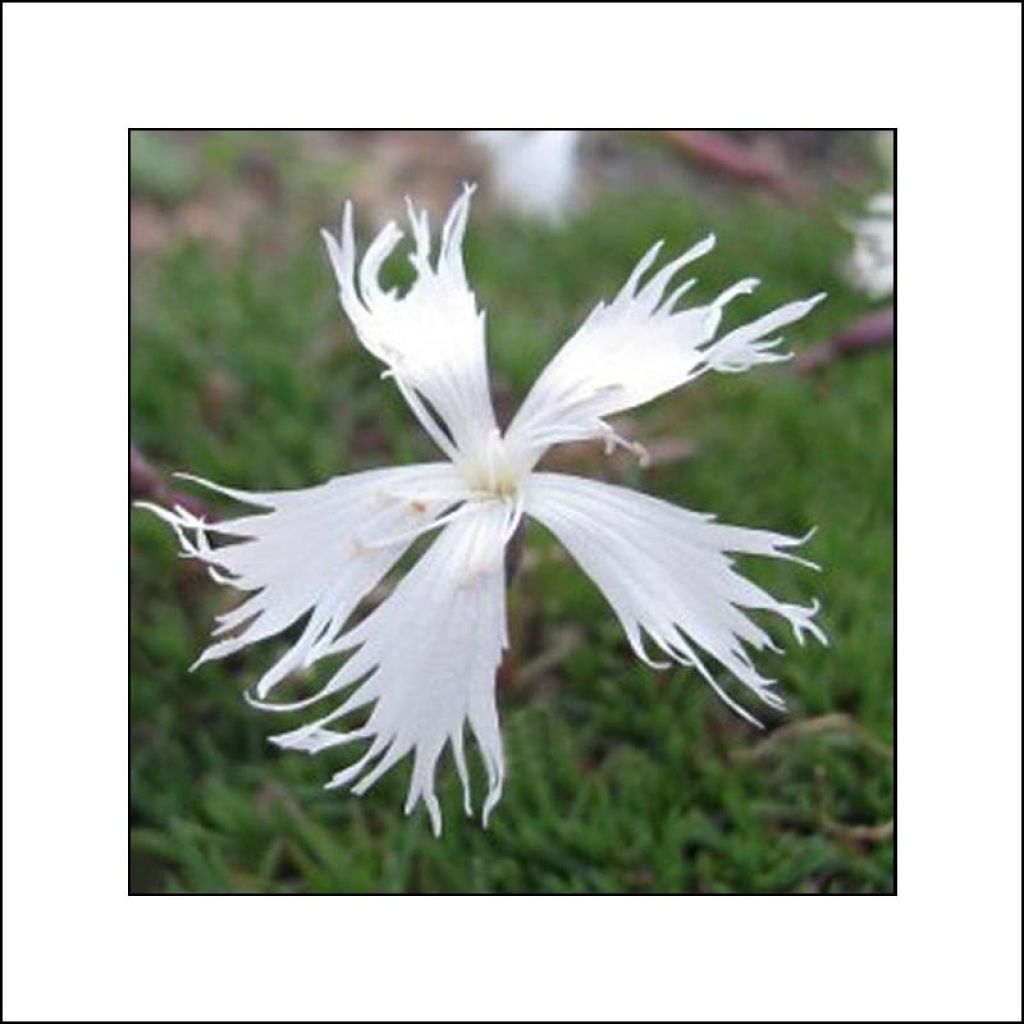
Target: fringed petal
x=432 y=337
x=666 y=573
x=636 y=348
x=426 y=660
x=316 y=552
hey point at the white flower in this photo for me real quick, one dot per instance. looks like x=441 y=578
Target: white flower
x=871 y=267
x=533 y=172
x=425 y=659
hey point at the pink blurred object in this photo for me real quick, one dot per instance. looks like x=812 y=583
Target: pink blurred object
x=145 y=481
x=869 y=332
x=723 y=154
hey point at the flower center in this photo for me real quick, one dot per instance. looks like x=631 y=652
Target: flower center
x=492 y=471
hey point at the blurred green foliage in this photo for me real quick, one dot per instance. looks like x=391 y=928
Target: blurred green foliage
x=159 y=169
x=619 y=779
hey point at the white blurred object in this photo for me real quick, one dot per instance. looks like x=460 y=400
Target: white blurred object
x=870 y=266
x=533 y=172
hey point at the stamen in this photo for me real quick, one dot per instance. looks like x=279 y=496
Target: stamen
x=612 y=440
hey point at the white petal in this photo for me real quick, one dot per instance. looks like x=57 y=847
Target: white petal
x=871 y=266
x=432 y=337
x=665 y=572
x=426 y=659
x=533 y=172
x=317 y=551
x=635 y=349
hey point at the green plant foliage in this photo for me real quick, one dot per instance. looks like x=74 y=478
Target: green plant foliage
x=620 y=779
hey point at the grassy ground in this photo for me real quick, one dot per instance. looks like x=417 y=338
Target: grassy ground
x=619 y=779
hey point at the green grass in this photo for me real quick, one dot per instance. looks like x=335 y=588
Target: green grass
x=619 y=779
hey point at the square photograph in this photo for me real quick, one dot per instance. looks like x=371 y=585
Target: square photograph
x=513 y=511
